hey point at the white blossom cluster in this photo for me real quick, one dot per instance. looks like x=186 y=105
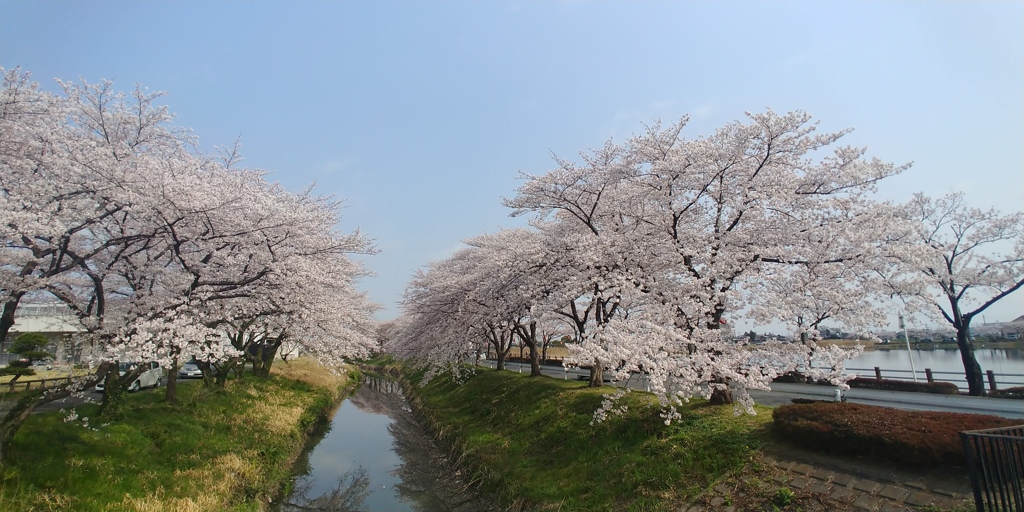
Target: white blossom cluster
x=165 y=253
x=639 y=253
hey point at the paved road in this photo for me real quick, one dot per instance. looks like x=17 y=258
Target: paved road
x=783 y=393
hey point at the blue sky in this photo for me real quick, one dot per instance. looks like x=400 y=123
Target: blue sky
x=421 y=114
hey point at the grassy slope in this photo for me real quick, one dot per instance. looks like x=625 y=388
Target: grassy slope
x=214 y=450
x=531 y=442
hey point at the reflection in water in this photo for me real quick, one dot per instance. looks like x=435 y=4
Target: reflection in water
x=426 y=479
x=378 y=458
x=347 y=496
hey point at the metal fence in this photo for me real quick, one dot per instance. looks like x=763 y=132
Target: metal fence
x=28 y=385
x=996 y=381
x=995 y=461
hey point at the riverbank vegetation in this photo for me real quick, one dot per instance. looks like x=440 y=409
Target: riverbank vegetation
x=533 y=443
x=216 y=449
x=151 y=250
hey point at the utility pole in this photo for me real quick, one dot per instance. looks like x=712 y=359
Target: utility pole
x=903 y=325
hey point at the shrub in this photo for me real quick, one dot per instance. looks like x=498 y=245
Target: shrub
x=1017 y=392
x=792 y=377
x=920 y=438
x=783 y=497
x=940 y=388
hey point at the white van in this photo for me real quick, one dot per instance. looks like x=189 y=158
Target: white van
x=150 y=376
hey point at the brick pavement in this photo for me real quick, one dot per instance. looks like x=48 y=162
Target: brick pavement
x=857 y=492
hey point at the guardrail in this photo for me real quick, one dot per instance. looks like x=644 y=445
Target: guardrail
x=569 y=373
x=995 y=461
x=996 y=381
x=27 y=385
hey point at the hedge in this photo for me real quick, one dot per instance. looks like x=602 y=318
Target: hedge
x=1017 y=392
x=941 y=388
x=912 y=438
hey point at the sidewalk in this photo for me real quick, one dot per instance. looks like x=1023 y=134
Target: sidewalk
x=1005 y=407
x=868 y=493
x=819 y=487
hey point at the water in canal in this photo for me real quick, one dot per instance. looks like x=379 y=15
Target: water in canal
x=376 y=457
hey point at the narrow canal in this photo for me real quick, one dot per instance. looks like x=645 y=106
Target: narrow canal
x=375 y=457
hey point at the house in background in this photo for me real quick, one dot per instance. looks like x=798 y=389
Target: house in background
x=1014 y=329
x=53 y=320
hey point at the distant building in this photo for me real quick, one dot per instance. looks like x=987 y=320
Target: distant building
x=53 y=320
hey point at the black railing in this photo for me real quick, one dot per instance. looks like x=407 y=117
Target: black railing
x=995 y=461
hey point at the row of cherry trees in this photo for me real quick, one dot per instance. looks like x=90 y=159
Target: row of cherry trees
x=642 y=250
x=164 y=253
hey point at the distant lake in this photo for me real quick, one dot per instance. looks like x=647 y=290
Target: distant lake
x=942 y=361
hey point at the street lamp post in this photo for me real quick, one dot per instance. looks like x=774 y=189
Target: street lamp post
x=906 y=339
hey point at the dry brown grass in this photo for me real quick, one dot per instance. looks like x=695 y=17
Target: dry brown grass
x=203 y=502
x=310 y=371
x=274 y=415
x=210 y=488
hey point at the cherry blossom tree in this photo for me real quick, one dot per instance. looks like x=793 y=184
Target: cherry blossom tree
x=447 y=316
x=972 y=258
x=490 y=292
x=163 y=252
x=703 y=221
x=643 y=247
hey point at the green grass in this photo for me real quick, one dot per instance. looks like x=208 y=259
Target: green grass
x=531 y=443
x=214 y=450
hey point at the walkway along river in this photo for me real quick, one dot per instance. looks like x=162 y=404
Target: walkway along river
x=374 y=456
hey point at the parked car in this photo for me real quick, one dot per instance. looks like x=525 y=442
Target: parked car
x=190 y=370
x=45 y=364
x=150 y=376
x=926 y=340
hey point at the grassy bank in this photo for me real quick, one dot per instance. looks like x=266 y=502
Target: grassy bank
x=531 y=443
x=214 y=450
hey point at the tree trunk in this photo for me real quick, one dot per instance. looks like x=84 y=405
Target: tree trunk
x=7 y=317
x=207 y=369
x=13 y=420
x=721 y=396
x=171 y=394
x=534 y=361
x=596 y=375
x=257 y=364
x=500 y=358
x=972 y=370
x=267 y=354
x=114 y=393
x=528 y=336
x=225 y=370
